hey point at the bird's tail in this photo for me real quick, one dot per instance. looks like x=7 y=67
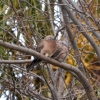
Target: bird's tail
x=33 y=63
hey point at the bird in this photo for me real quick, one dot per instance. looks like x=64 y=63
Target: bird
x=62 y=51
x=47 y=47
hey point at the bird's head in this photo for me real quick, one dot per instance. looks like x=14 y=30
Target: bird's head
x=49 y=37
x=45 y=53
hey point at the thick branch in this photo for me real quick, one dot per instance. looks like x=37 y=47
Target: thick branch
x=74 y=44
x=64 y=66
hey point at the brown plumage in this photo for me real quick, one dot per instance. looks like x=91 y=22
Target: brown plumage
x=47 y=47
x=62 y=51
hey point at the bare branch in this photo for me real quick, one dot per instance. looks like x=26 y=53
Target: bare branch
x=15 y=61
x=89 y=89
x=74 y=19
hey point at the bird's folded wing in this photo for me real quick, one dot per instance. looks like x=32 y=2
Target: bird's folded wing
x=61 y=53
x=57 y=53
x=33 y=63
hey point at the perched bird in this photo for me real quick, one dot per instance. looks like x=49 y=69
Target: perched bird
x=47 y=47
x=62 y=51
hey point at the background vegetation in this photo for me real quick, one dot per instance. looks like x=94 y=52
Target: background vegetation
x=24 y=23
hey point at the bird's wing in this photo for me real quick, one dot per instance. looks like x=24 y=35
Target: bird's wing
x=36 y=60
x=57 y=53
x=33 y=63
x=61 y=52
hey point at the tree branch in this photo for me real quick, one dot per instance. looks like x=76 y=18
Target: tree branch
x=88 y=37
x=74 y=43
x=15 y=61
x=93 y=30
x=89 y=89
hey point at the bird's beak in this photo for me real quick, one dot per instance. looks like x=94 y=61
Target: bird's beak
x=46 y=54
